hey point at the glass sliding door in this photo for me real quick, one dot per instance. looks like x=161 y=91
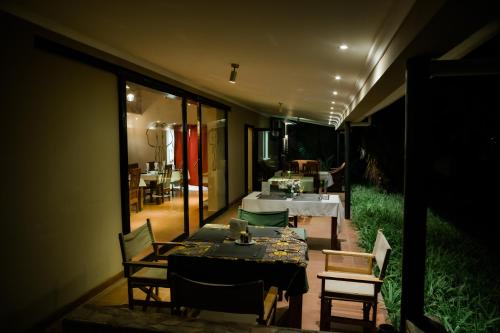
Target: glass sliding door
x=154 y=145
x=213 y=160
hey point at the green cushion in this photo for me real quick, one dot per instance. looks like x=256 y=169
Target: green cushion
x=266 y=219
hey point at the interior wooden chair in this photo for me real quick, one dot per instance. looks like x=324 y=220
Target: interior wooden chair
x=341 y=281
x=151 y=166
x=338 y=178
x=133 y=188
x=294 y=167
x=242 y=298
x=265 y=219
x=149 y=273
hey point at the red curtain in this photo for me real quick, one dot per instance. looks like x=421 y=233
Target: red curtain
x=192 y=145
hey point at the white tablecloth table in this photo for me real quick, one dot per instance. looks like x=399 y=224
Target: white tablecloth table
x=327 y=177
x=331 y=207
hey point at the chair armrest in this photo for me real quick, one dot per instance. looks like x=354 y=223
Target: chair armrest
x=151 y=264
x=156 y=246
x=270 y=303
x=351 y=277
x=348 y=253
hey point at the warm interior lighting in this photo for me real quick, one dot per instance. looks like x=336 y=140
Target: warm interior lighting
x=130 y=97
x=331 y=112
x=335 y=92
x=232 y=76
x=331 y=107
x=337 y=77
x=343 y=47
x=333 y=102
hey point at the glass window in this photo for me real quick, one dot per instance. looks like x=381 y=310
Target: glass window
x=154 y=136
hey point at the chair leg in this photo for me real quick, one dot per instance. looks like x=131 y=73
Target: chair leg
x=375 y=313
x=366 y=311
x=130 y=296
x=148 y=296
x=325 y=314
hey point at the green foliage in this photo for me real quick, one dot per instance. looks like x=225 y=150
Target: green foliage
x=461 y=283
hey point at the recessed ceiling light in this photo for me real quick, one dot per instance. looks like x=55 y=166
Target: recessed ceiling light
x=331 y=112
x=335 y=92
x=130 y=97
x=343 y=47
x=333 y=102
x=331 y=107
x=126 y=86
x=337 y=77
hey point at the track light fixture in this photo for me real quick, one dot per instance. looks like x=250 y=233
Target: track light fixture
x=232 y=77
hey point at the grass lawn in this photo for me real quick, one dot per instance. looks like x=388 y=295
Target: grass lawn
x=462 y=286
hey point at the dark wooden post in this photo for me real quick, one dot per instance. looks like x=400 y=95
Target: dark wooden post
x=347 y=180
x=415 y=203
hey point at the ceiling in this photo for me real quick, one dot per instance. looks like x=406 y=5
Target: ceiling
x=288 y=51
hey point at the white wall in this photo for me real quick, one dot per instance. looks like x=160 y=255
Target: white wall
x=238 y=118
x=60 y=187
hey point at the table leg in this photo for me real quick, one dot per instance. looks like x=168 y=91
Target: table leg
x=334 y=240
x=295 y=311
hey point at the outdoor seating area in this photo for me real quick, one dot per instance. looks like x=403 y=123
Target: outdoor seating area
x=287 y=167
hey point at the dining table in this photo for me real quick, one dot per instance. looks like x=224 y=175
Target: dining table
x=277 y=256
x=304 y=204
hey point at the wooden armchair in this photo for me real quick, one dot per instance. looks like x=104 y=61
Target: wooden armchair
x=133 y=188
x=353 y=283
x=242 y=298
x=147 y=274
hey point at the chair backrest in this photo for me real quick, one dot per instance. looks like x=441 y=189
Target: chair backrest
x=311 y=168
x=244 y=298
x=136 y=241
x=168 y=169
x=267 y=219
x=151 y=166
x=294 y=167
x=382 y=252
x=135 y=178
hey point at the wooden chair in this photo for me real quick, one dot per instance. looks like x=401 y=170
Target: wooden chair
x=147 y=274
x=353 y=283
x=311 y=169
x=294 y=167
x=338 y=178
x=267 y=219
x=133 y=188
x=151 y=166
x=242 y=298
x=160 y=188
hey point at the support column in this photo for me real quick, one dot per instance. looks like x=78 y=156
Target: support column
x=347 y=180
x=415 y=177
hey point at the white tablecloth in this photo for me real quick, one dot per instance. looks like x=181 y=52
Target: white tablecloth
x=327 y=177
x=331 y=207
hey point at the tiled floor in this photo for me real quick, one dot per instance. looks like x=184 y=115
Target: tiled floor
x=317 y=228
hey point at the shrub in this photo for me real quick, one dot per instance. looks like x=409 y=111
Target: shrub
x=461 y=281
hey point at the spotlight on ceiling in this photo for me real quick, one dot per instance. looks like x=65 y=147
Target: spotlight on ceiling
x=337 y=77
x=232 y=77
x=343 y=47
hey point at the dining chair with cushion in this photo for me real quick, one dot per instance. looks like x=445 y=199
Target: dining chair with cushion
x=211 y=301
x=266 y=219
x=355 y=281
x=133 y=188
x=148 y=272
